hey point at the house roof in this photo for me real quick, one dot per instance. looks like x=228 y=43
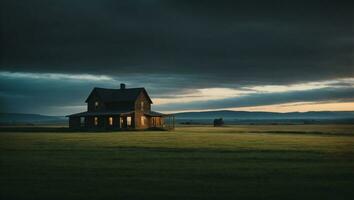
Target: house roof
x=116 y=95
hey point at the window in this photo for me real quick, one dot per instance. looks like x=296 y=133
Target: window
x=82 y=121
x=142 y=120
x=96 y=121
x=120 y=121
x=110 y=121
x=142 y=106
x=96 y=104
x=129 y=121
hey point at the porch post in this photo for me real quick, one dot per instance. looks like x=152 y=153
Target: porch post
x=173 y=125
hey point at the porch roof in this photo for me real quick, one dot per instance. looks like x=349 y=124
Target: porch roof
x=156 y=114
x=108 y=113
x=105 y=113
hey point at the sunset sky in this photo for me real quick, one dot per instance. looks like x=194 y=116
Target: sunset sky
x=190 y=55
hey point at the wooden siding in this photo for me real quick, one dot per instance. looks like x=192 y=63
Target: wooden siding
x=139 y=111
x=120 y=106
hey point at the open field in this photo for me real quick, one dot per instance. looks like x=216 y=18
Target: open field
x=253 y=162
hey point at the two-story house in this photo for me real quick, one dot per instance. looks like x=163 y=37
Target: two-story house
x=115 y=109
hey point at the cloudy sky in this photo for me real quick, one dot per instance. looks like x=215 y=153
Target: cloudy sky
x=189 y=55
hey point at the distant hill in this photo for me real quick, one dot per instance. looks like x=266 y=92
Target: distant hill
x=241 y=117
x=21 y=118
x=227 y=114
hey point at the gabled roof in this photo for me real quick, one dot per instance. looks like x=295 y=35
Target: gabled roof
x=118 y=95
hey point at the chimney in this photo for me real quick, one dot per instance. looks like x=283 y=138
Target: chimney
x=122 y=86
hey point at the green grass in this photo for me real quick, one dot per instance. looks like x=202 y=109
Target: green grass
x=253 y=162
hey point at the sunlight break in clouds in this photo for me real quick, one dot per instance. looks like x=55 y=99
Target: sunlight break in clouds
x=301 y=107
x=223 y=93
x=303 y=86
x=202 y=95
x=55 y=76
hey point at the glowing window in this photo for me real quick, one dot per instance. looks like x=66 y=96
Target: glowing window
x=120 y=121
x=110 y=121
x=142 y=120
x=129 y=121
x=96 y=104
x=96 y=121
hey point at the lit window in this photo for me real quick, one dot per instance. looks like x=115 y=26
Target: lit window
x=96 y=104
x=110 y=121
x=120 y=121
x=129 y=121
x=96 y=121
x=142 y=119
x=142 y=106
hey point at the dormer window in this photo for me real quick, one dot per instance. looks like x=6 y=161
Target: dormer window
x=96 y=104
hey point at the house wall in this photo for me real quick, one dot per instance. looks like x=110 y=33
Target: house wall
x=74 y=123
x=139 y=111
x=116 y=122
x=106 y=125
x=120 y=106
x=89 y=122
x=103 y=122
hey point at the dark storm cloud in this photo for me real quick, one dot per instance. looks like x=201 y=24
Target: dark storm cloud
x=230 y=42
x=26 y=95
x=61 y=94
x=171 y=47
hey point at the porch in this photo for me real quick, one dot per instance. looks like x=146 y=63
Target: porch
x=120 y=121
x=102 y=121
x=160 y=121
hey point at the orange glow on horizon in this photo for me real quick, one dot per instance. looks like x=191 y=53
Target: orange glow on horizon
x=302 y=107
x=290 y=107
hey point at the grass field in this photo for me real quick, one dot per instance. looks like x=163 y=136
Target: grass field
x=237 y=162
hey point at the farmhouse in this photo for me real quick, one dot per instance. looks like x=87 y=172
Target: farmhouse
x=117 y=109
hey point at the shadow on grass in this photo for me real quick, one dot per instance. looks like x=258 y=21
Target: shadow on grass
x=35 y=129
x=45 y=129
x=301 y=132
